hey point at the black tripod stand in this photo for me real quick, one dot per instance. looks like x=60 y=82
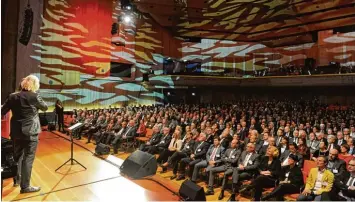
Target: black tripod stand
x=72 y=129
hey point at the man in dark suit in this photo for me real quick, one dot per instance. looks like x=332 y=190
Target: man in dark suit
x=163 y=142
x=335 y=165
x=155 y=139
x=340 y=139
x=25 y=126
x=332 y=143
x=248 y=166
x=199 y=154
x=128 y=135
x=229 y=161
x=344 y=185
x=213 y=157
x=292 y=149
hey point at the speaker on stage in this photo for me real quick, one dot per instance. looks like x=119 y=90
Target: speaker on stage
x=139 y=164
x=190 y=191
x=102 y=149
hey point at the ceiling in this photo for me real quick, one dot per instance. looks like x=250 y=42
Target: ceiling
x=271 y=22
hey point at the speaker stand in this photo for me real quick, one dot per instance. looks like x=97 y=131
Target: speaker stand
x=71 y=156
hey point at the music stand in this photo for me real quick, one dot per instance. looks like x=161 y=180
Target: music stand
x=72 y=129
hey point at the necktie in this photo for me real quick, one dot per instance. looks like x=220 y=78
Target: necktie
x=245 y=163
x=351 y=181
x=230 y=155
x=213 y=153
x=198 y=147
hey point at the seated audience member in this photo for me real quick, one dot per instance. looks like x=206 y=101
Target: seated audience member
x=292 y=150
x=263 y=149
x=228 y=162
x=322 y=151
x=155 y=139
x=344 y=150
x=313 y=143
x=186 y=150
x=199 y=154
x=248 y=165
x=174 y=146
x=344 y=185
x=141 y=128
x=128 y=135
x=294 y=138
x=163 y=143
x=303 y=149
x=336 y=165
x=291 y=181
x=280 y=134
x=225 y=138
x=351 y=143
x=283 y=146
x=265 y=140
x=340 y=138
x=213 y=157
x=269 y=170
x=319 y=182
x=93 y=129
x=332 y=144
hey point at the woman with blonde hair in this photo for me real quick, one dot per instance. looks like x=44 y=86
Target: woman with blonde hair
x=269 y=170
x=25 y=126
x=174 y=146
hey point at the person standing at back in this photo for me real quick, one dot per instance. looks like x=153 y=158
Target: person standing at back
x=59 y=111
x=25 y=126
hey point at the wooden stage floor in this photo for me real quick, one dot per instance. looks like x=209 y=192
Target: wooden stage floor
x=100 y=182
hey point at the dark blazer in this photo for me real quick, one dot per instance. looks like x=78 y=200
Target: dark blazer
x=286 y=153
x=231 y=157
x=244 y=133
x=295 y=175
x=274 y=167
x=225 y=141
x=24 y=106
x=164 y=141
x=342 y=142
x=201 y=150
x=340 y=184
x=339 y=167
x=262 y=150
x=253 y=162
x=335 y=146
x=187 y=147
x=155 y=139
x=130 y=132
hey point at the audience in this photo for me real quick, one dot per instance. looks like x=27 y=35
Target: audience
x=263 y=141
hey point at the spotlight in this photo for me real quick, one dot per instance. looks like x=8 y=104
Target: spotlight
x=129 y=7
x=127 y=19
x=169 y=93
x=193 y=94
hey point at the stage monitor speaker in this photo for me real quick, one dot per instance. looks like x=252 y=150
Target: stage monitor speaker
x=139 y=164
x=102 y=149
x=190 y=191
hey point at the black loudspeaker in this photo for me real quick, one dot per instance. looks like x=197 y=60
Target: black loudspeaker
x=139 y=164
x=190 y=191
x=102 y=149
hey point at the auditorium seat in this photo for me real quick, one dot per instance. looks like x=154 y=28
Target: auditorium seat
x=147 y=136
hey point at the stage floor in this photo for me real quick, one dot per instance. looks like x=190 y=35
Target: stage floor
x=100 y=182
